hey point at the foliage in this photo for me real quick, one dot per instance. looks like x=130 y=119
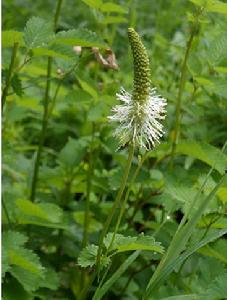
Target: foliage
x=59 y=81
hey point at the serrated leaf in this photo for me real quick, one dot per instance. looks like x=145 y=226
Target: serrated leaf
x=204 y=152
x=218 y=288
x=29 y=281
x=88 y=256
x=5 y=263
x=10 y=37
x=38 y=32
x=25 y=259
x=129 y=243
x=24 y=263
x=13 y=239
x=216 y=52
x=112 y=7
x=79 y=37
x=55 y=50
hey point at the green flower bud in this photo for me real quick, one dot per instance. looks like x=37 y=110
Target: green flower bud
x=141 y=84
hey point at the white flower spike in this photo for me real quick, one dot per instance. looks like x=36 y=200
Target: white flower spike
x=139 y=114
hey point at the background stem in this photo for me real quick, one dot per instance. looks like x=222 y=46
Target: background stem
x=181 y=87
x=45 y=113
x=116 y=203
x=10 y=74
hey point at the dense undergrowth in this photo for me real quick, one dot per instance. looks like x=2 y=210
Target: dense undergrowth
x=62 y=64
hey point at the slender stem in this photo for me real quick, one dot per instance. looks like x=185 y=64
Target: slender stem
x=181 y=89
x=107 y=224
x=57 y=13
x=88 y=192
x=43 y=132
x=115 y=204
x=123 y=206
x=10 y=74
x=87 y=202
x=45 y=114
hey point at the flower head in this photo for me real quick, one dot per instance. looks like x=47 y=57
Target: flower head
x=139 y=113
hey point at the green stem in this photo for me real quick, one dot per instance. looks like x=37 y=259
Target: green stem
x=181 y=88
x=57 y=13
x=115 y=205
x=43 y=132
x=45 y=114
x=87 y=203
x=10 y=74
x=123 y=206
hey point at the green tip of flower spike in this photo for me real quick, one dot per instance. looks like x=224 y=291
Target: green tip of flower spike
x=141 y=67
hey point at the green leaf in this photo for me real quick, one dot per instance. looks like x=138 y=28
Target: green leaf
x=14 y=239
x=216 y=51
x=29 y=208
x=50 y=280
x=10 y=37
x=129 y=243
x=29 y=281
x=25 y=259
x=17 y=292
x=178 y=260
x=41 y=214
x=109 y=7
x=96 y=112
x=113 y=20
x=217 y=6
x=222 y=194
x=93 y=3
x=79 y=37
x=17 y=85
x=204 y=152
x=217 y=250
x=88 y=88
x=24 y=263
x=48 y=52
x=183 y=234
x=212 y=5
x=94 y=225
x=5 y=263
x=88 y=256
x=38 y=33
x=218 y=288
x=72 y=153
x=101 y=291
